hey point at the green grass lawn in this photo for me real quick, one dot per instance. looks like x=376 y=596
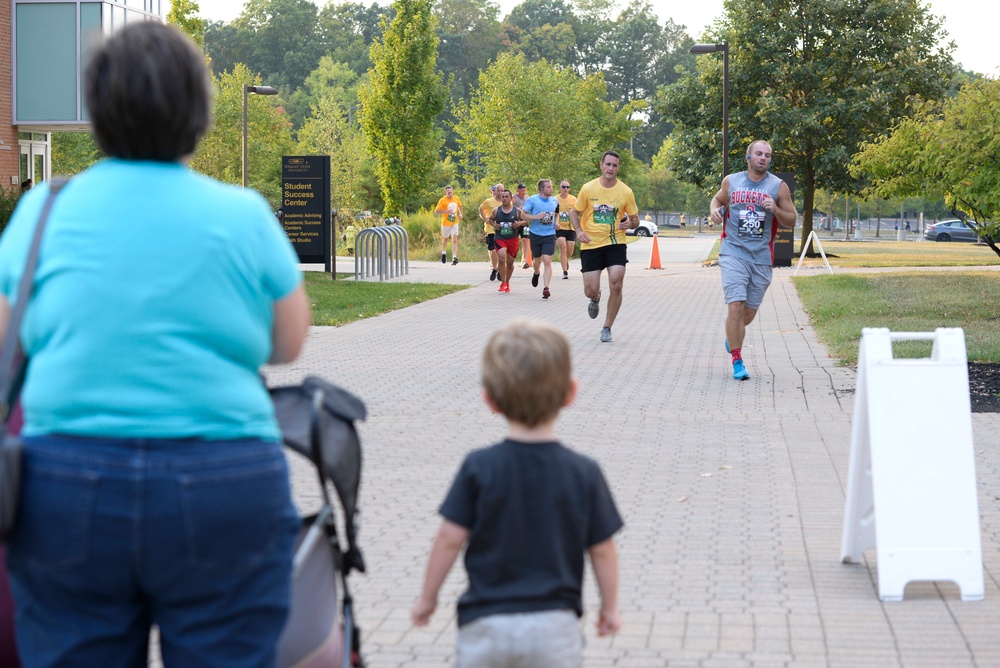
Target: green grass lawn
x=854 y=254
x=342 y=301
x=840 y=306
x=902 y=254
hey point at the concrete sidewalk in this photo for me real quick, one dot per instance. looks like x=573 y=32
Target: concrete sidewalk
x=732 y=492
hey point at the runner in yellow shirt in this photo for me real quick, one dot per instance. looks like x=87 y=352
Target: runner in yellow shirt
x=485 y=209
x=449 y=208
x=604 y=209
x=565 y=235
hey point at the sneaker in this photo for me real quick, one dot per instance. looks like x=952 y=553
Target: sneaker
x=525 y=265
x=565 y=275
x=506 y=287
x=534 y=280
x=740 y=371
x=502 y=286
x=605 y=335
x=444 y=260
x=493 y=275
x=454 y=261
x=545 y=293
x=594 y=308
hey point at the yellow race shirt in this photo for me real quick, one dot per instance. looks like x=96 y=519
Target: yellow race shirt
x=600 y=210
x=450 y=218
x=565 y=204
x=486 y=208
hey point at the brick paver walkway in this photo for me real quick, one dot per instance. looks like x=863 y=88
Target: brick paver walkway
x=732 y=492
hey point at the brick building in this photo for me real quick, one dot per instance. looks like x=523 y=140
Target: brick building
x=43 y=48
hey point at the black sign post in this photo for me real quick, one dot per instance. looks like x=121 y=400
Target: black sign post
x=305 y=205
x=784 y=240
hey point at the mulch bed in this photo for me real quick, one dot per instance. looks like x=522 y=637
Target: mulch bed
x=984 y=387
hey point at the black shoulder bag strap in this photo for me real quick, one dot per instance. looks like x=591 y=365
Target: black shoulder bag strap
x=12 y=361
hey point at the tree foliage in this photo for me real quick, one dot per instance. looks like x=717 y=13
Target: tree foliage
x=815 y=78
x=73 y=152
x=400 y=102
x=184 y=15
x=950 y=150
x=220 y=153
x=353 y=186
x=529 y=120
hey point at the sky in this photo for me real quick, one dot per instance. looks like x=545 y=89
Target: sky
x=970 y=23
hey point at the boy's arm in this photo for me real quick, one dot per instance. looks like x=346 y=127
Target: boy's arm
x=604 y=560
x=448 y=543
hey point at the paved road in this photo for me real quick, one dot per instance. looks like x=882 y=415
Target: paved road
x=732 y=492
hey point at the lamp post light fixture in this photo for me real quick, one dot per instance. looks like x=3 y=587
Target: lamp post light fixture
x=724 y=48
x=247 y=90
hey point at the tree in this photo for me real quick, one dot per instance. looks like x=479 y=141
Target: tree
x=815 y=78
x=468 y=39
x=542 y=29
x=73 y=152
x=184 y=15
x=345 y=32
x=951 y=149
x=398 y=106
x=556 y=126
x=279 y=40
x=353 y=186
x=330 y=78
x=269 y=133
x=642 y=56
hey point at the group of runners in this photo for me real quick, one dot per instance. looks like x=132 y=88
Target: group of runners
x=750 y=205
x=596 y=218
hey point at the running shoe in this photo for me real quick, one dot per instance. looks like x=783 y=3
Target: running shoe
x=454 y=260
x=565 y=275
x=493 y=275
x=739 y=371
x=444 y=260
x=502 y=286
x=605 y=335
x=506 y=287
x=534 y=280
x=545 y=293
x=594 y=308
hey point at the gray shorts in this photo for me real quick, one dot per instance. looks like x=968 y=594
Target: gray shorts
x=744 y=281
x=550 y=639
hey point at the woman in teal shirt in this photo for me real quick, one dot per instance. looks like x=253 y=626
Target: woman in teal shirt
x=155 y=491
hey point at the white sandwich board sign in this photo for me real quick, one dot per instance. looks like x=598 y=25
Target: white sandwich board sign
x=911 y=490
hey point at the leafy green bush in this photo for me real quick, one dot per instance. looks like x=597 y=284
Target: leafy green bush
x=9 y=197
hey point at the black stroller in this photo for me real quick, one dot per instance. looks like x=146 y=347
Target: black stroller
x=317 y=421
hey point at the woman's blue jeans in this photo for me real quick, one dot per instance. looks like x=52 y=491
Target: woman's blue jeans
x=115 y=535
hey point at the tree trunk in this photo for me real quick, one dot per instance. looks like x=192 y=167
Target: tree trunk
x=878 y=225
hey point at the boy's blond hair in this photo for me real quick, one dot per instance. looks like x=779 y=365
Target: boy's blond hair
x=527 y=371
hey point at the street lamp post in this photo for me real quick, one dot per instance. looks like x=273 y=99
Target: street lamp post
x=724 y=48
x=256 y=90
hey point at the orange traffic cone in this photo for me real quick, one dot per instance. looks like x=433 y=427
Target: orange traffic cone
x=654 y=256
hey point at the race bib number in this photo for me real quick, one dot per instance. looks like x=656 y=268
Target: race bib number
x=546 y=218
x=752 y=222
x=564 y=216
x=604 y=214
x=451 y=218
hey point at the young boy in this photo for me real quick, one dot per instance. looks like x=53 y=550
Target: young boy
x=526 y=510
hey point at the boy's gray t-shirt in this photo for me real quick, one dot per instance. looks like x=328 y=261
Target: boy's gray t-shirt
x=750 y=229
x=532 y=511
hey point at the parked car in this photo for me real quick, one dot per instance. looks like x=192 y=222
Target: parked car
x=647 y=228
x=950 y=230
